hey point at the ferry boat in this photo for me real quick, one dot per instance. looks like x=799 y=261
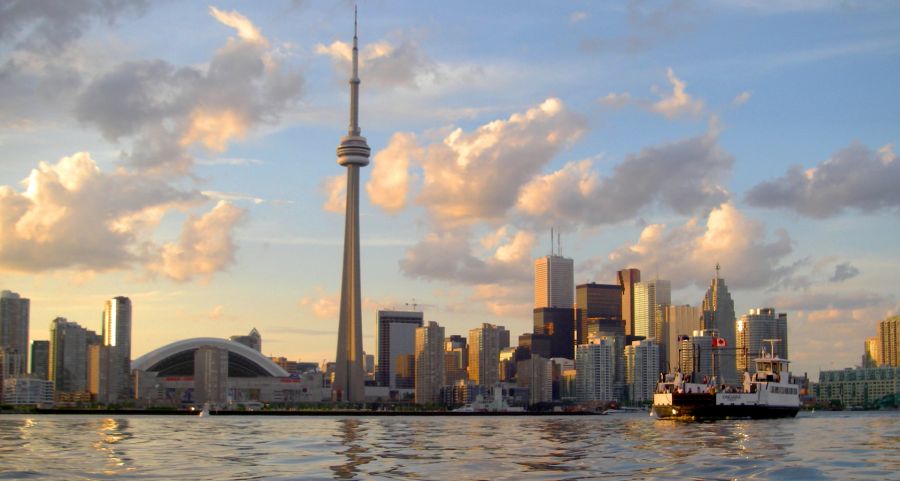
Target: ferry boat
x=766 y=394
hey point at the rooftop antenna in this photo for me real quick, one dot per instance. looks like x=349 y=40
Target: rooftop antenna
x=552 y=252
x=559 y=243
x=717 y=270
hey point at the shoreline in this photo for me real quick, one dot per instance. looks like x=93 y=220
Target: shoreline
x=353 y=413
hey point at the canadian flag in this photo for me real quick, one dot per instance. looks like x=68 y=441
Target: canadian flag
x=719 y=342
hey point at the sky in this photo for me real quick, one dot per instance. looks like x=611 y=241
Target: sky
x=183 y=154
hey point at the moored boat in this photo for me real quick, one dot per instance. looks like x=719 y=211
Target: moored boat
x=768 y=393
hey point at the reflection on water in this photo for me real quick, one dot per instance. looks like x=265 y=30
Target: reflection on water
x=621 y=446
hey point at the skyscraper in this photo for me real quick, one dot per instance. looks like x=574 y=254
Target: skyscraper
x=69 y=355
x=559 y=324
x=40 y=359
x=456 y=359
x=117 y=337
x=595 y=370
x=429 y=363
x=626 y=279
x=484 y=355
x=752 y=329
x=14 y=317
x=889 y=341
x=718 y=315
x=353 y=153
x=554 y=281
x=596 y=301
x=641 y=370
x=872 y=356
x=395 y=336
x=680 y=321
x=648 y=296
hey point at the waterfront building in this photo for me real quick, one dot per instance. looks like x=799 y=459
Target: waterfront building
x=456 y=359
x=24 y=390
x=554 y=281
x=117 y=338
x=99 y=373
x=753 y=329
x=429 y=363
x=700 y=357
x=484 y=355
x=647 y=298
x=14 y=325
x=352 y=153
x=614 y=331
x=559 y=324
x=40 y=359
x=889 y=342
x=596 y=301
x=718 y=315
x=872 y=356
x=395 y=336
x=680 y=321
x=560 y=367
x=626 y=280
x=405 y=372
x=595 y=370
x=642 y=370
x=536 y=374
x=220 y=371
x=858 y=387
x=252 y=340
x=69 y=356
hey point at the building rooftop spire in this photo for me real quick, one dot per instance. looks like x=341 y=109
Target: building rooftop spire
x=354 y=82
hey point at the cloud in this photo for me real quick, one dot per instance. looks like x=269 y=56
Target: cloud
x=577 y=17
x=386 y=65
x=844 y=271
x=473 y=177
x=449 y=256
x=168 y=109
x=391 y=180
x=687 y=254
x=685 y=176
x=503 y=300
x=855 y=177
x=73 y=216
x=649 y=24
x=672 y=105
x=216 y=313
x=206 y=245
x=335 y=189
x=742 y=98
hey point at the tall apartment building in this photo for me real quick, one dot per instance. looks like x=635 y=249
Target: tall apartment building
x=872 y=356
x=752 y=329
x=595 y=302
x=14 y=324
x=456 y=359
x=626 y=278
x=889 y=342
x=69 y=355
x=679 y=321
x=718 y=315
x=554 y=282
x=40 y=359
x=595 y=371
x=642 y=370
x=117 y=338
x=395 y=335
x=648 y=296
x=536 y=374
x=429 y=363
x=484 y=355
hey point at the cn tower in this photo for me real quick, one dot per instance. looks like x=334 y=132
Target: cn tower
x=352 y=153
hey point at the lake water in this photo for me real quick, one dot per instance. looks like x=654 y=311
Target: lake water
x=840 y=446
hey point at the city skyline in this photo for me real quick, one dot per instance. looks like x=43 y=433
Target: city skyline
x=200 y=182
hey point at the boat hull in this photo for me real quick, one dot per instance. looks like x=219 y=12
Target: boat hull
x=704 y=407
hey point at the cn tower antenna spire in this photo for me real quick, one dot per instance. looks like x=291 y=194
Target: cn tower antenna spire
x=354 y=82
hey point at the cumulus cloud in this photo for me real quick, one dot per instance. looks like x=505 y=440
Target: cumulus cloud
x=391 y=180
x=335 y=189
x=855 y=177
x=685 y=176
x=472 y=177
x=671 y=105
x=449 y=256
x=386 y=65
x=73 y=216
x=206 y=245
x=503 y=300
x=686 y=254
x=844 y=271
x=167 y=109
